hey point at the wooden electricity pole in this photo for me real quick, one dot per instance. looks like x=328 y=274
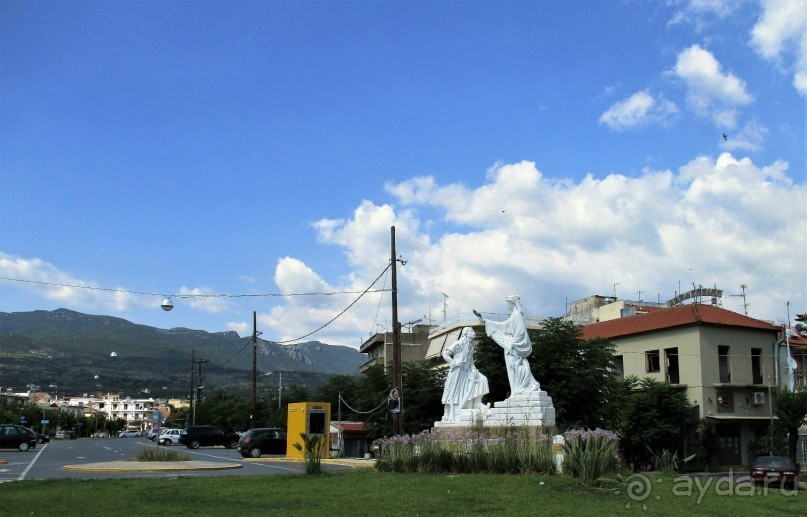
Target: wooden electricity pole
x=397 y=379
x=254 y=368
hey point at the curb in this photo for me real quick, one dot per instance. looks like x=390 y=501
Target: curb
x=151 y=466
x=342 y=462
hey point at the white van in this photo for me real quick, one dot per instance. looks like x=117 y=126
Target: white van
x=169 y=436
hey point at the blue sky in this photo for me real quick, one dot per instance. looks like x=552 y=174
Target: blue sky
x=553 y=149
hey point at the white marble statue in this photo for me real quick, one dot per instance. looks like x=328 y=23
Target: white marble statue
x=465 y=385
x=511 y=335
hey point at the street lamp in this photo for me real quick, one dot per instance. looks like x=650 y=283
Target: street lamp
x=167 y=304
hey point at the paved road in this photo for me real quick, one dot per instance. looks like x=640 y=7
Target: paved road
x=46 y=461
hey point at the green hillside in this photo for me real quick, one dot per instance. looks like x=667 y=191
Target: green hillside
x=81 y=353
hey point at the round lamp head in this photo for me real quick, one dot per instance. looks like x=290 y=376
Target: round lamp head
x=167 y=305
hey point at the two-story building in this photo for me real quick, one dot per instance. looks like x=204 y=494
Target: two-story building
x=378 y=346
x=728 y=364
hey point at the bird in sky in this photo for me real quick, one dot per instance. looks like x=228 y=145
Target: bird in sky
x=725 y=136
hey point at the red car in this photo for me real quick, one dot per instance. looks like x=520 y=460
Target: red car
x=774 y=470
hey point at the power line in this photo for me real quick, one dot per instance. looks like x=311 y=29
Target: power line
x=341 y=313
x=190 y=295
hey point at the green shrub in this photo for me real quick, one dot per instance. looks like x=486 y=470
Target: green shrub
x=154 y=454
x=314 y=446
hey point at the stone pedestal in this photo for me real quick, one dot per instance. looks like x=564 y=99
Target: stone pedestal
x=529 y=409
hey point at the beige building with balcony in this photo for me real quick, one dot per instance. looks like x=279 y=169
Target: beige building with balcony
x=728 y=364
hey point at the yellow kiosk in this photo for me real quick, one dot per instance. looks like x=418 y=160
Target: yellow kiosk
x=311 y=418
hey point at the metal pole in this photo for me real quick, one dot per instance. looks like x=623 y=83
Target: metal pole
x=397 y=418
x=280 y=391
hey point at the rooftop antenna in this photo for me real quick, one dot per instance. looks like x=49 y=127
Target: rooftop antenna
x=616 y=284
x=445 y=305
x=745 y=304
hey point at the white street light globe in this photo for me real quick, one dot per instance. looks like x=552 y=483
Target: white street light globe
x=167 y=305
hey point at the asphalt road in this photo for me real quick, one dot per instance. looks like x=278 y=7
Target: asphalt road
x=46 y=461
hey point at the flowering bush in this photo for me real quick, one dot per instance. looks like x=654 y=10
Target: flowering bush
x=471 y=451
x=590 y=455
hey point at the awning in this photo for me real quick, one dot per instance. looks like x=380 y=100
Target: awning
x=439 y=342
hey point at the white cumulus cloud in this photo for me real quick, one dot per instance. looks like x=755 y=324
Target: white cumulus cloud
x=780 y=35
x=639 y=109
x=48 y=281
x=724 y=221
x=711 y=92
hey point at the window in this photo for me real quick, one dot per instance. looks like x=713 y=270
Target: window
x=652 y=361
x=756 y=365
x=671 y=362
x=723 y=364
x=619 y=367
x=316 y=422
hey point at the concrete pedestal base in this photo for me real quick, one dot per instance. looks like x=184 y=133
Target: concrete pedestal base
x=528 y=409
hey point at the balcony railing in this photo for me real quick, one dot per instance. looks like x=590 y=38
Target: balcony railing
x=470 y=319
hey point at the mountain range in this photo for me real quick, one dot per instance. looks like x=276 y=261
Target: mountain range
x=75 y=353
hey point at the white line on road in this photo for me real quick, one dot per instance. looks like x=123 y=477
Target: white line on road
x=24 y=472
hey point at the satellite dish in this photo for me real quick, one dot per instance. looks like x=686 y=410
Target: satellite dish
x=791 y=363
x=167 y=305
x=96 y=377
x=113 y=354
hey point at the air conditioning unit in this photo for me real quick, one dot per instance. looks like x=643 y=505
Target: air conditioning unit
x=759 y=398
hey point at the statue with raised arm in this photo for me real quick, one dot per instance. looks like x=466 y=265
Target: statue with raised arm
x=465 y=385
x=511 y=335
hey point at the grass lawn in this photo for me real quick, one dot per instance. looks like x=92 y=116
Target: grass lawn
x=366 y=492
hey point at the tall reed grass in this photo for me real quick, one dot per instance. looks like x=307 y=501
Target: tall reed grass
x=590 y=456
x=476 y=450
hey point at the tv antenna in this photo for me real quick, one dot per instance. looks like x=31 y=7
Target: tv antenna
x=745 y=303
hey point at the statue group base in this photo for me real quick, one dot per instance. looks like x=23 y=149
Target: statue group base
x=527 y=409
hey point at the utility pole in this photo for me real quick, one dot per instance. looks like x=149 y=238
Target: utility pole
x=280 y=391
x=200 y=382
x=191 y=409
x=397 y=380
x=254 y=368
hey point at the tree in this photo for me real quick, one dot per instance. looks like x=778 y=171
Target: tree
x=422 y=393
x=339 y=385
x=652 y=416
x=791 y=409
x=576 y=373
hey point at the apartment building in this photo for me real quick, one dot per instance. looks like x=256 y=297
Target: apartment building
x=728 y=364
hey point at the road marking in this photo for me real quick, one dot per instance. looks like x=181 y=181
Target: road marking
x=24 y=472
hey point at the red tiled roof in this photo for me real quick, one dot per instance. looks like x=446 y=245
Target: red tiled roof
x=681 y=316
x=797 y=341
x=349 y=427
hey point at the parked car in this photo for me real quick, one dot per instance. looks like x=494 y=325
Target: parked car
x=128 y=433
x=774 y=470
x=208 y=435
x=169 y=436
x=17 y=437
x=42 y=438
x=264 y=440
x=154 y=433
